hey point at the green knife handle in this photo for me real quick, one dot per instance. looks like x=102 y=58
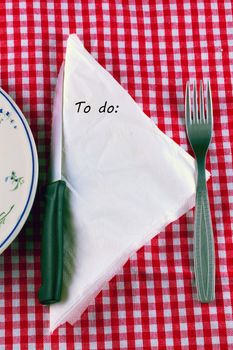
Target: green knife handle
x=52 y=244
x=204 y=256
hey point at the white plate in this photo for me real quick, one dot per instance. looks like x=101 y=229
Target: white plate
x=18 y=170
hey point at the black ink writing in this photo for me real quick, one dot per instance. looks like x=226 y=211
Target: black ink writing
x=86 y=108
x=105 y=108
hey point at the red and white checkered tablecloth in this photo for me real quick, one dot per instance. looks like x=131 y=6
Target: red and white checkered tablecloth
x=152 y=48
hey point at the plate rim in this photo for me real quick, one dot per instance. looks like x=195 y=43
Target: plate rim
x=33 y=186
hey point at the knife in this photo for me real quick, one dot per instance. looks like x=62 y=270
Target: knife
x=52 y=232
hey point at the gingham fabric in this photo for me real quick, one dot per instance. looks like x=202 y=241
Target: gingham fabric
x=152 y=49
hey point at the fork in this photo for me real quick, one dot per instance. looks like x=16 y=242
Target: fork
x=199 y=127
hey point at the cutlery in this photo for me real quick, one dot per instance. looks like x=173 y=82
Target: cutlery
x=199 y=125
x=52 y=233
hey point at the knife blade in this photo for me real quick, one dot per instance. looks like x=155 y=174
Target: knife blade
x=52 y=232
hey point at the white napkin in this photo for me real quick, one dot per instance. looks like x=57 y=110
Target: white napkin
x=126 y=180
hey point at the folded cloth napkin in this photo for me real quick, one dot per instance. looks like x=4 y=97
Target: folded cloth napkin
x=126 y=180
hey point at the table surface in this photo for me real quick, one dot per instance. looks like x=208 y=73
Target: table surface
x=152 y=50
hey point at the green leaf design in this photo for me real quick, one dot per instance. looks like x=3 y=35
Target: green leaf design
x=4 y=215
x=15 y=180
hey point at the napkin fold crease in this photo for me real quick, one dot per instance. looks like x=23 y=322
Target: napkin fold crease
x=126 y=181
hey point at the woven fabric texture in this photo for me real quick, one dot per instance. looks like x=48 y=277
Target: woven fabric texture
x=152 y=48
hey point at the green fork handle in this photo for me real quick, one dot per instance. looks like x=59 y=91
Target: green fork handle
x=204 y=256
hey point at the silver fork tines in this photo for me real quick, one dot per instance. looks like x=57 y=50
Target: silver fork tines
x=193 y=115
x=201 y=104
x=195 y=106
x=209 y=106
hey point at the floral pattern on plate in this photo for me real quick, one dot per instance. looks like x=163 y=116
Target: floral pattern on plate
x=15 y=180
x=18 y=170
